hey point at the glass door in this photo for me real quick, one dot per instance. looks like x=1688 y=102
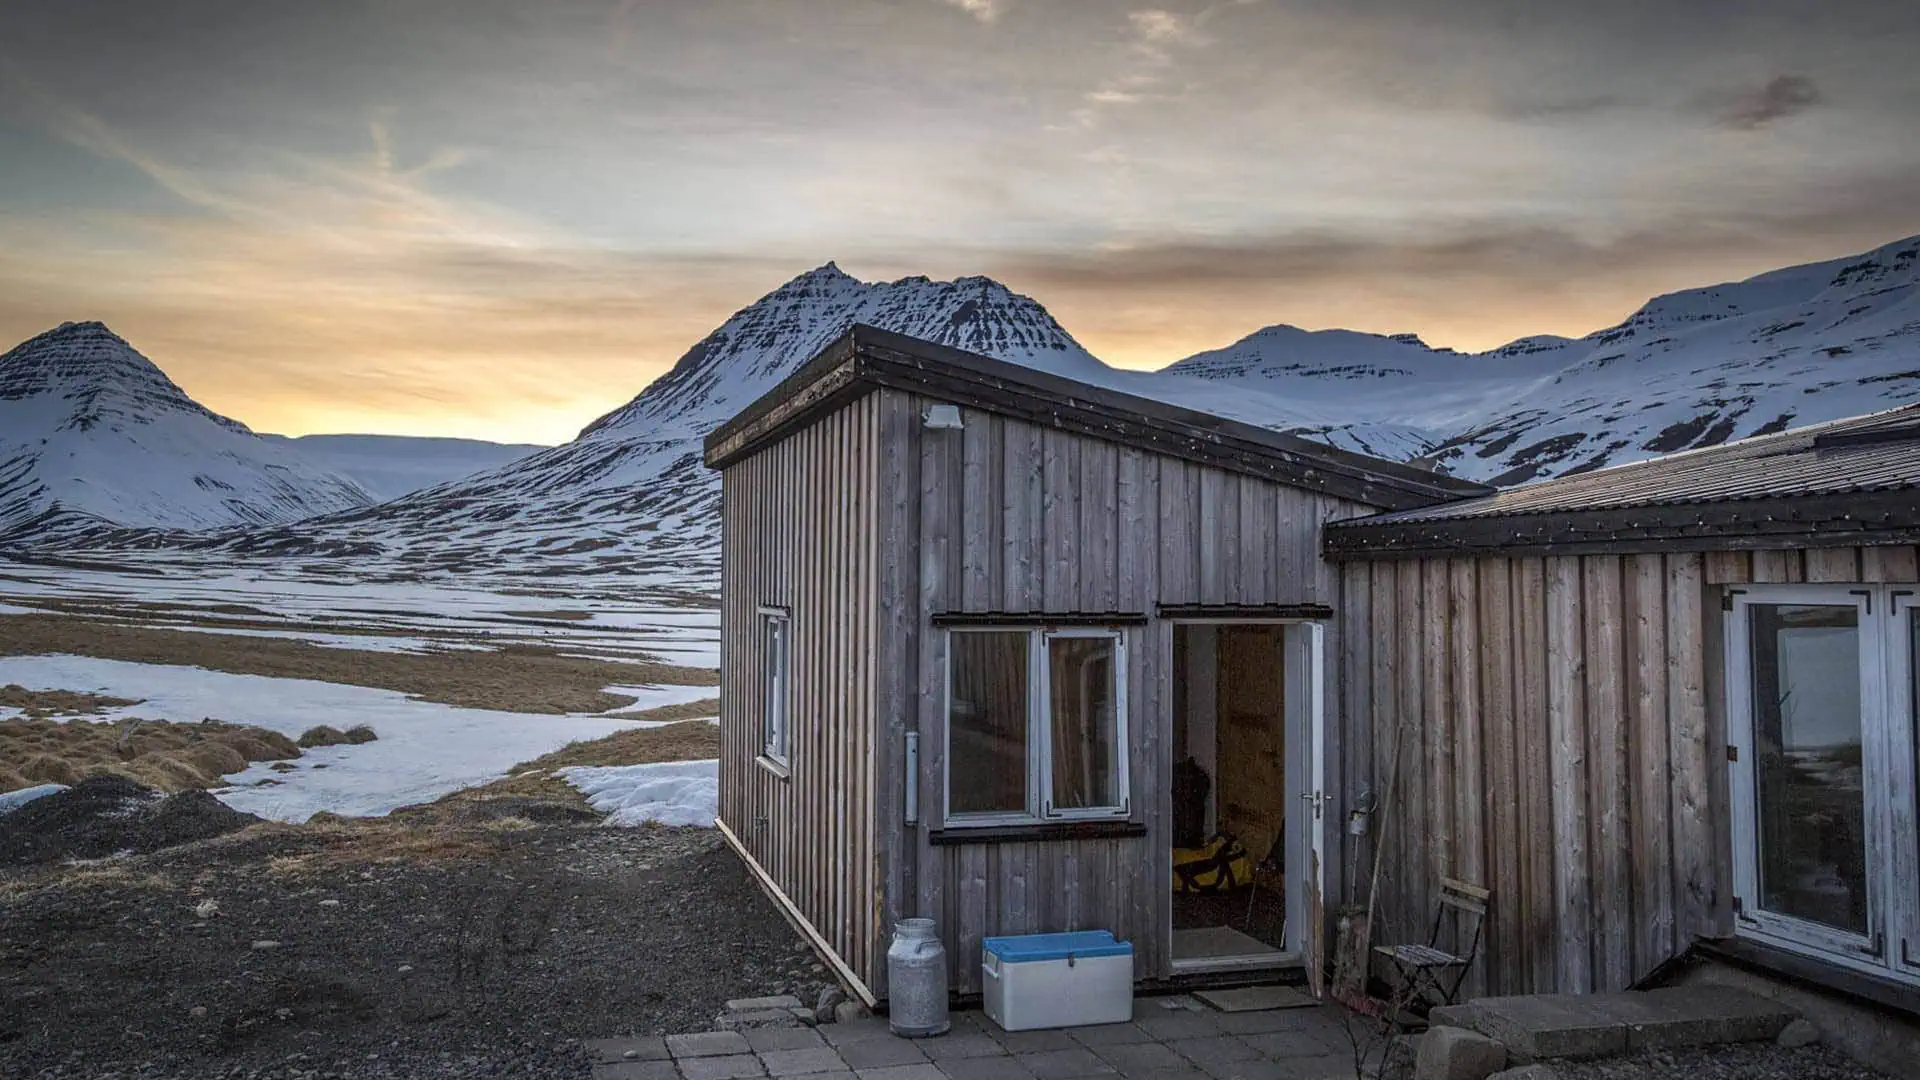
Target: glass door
x=1903 y=664
x=1820 y=707
x=1800 y=783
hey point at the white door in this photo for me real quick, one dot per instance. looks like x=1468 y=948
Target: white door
x=1820 y=708
x=1307 y=660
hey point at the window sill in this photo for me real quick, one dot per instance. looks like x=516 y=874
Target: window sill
x=781 y=769
x=1039 y=832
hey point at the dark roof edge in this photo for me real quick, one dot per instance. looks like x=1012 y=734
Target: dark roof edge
x=1846 y=519
x=867 y=358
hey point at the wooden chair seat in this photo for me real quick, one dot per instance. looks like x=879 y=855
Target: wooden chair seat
x=1420 y=956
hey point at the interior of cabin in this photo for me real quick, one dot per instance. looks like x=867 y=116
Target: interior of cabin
x=1230 y=787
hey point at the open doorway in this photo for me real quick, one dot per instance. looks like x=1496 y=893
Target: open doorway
x=1235 y=751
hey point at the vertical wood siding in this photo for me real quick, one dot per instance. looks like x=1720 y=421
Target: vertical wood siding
x=800 y=530
x=1009 y=516
x=1561 y=734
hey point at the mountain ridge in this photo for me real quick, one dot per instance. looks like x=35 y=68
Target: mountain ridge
x=1690 y=368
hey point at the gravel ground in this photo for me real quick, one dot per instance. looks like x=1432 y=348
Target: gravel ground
x=103 y=815
x=1743 y=1061
x=277 y=952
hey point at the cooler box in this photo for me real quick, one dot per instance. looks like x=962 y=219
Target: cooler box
x=1057 y=980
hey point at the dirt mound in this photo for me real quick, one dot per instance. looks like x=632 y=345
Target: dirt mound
x=168 y=756
x=103 y=815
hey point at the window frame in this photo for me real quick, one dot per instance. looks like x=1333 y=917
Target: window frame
x=1891 y=946
x=1040 y=808
x=776 y=689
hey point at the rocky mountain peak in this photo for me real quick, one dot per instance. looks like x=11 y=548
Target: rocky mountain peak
x=91 y=376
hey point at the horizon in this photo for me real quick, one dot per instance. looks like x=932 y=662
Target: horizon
x=484 y=222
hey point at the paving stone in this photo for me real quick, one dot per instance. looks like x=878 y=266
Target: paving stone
x=815 y=1059
x=1063 y=1064
x=922 y=1071
x=851 y=1031
x=970 y=1045
x=1325 y=1067
x=707 y=1044
x=1703 y=1016
x=1254 y=1023
x=1260 y=1069
x=1180 y=1025
x=757 y=1004
x=1256 y=998
x=784 y=1039
x=879 y=1053
x=983 y=1068
x=1292 y=1044
x=725 y=1067
x=632 y=1048
x=1141 y=1059
x=1214 y=1050
x=1020 y=1042
x=636 y=1070
x=1451 y=1053
x=1109 y=1034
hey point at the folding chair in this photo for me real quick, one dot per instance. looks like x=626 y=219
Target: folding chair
x=1424 y=968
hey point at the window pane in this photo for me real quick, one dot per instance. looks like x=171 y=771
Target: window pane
x=1811 y=813
x=987 y=722
x=1086 y=743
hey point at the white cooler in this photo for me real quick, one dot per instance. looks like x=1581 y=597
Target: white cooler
x=1057 y=980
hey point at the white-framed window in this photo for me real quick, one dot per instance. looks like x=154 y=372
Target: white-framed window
x=1822 y=695
x=776 y=644
x=1036 y=726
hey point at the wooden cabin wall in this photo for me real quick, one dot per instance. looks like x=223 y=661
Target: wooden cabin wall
x=1004 y=515
x=1562 y=740
x=799 y=532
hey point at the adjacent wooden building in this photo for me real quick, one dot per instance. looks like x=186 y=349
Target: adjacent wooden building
x=997 y=644
x=974 y=615
x=1653 y=706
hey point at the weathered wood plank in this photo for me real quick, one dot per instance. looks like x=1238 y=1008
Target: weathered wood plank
x=1607 y=768
x=1566 y=718
x=1771 y=567
x=1416 y=862
x=1894 y=564
x=1437 y=687
x=1729 y=567
x=1506 y=960
x=1649 y=777
x=1695 y=884
x=1469 y=764
x=1833 y=564
x=1539 y=914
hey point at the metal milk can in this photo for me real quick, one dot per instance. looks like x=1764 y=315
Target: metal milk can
x=916 y=980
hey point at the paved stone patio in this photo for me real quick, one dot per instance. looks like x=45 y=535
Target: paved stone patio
x=1174 y=1044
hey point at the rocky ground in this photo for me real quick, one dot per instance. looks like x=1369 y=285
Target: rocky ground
x=1741 y=1061
x=478 y=947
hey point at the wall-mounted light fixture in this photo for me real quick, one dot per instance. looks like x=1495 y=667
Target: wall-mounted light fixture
x=943 y=418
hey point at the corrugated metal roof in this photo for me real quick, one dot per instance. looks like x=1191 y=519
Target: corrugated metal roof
x=1877 y=452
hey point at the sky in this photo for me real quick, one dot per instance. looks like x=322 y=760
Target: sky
x=500 y=220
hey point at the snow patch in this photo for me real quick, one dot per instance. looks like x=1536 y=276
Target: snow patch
x=667 y=792
x=14 y=800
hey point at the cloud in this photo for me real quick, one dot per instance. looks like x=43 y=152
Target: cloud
x=1781 y=97
x=984 y=10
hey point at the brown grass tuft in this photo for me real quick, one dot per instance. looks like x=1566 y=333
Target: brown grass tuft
x=322 y=735
x=169 y=756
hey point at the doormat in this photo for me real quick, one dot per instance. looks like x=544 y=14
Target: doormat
x=1255 y=998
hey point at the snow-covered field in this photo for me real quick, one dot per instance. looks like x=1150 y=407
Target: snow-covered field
x=425 y=749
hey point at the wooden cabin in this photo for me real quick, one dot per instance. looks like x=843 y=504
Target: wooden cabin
x=980 y=621
x=1658 y=706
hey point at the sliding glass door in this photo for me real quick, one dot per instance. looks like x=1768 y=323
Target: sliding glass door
x=1821 y=699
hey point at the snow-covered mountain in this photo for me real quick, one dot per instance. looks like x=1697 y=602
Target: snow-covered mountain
x=632 y=485
x=94 y=436
x=1693 y=368
x=389 y=466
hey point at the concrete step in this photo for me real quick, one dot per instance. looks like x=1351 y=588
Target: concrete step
x=1542 y=1026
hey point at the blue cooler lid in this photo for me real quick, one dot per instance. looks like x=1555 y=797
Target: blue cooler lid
x=1026 y=948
